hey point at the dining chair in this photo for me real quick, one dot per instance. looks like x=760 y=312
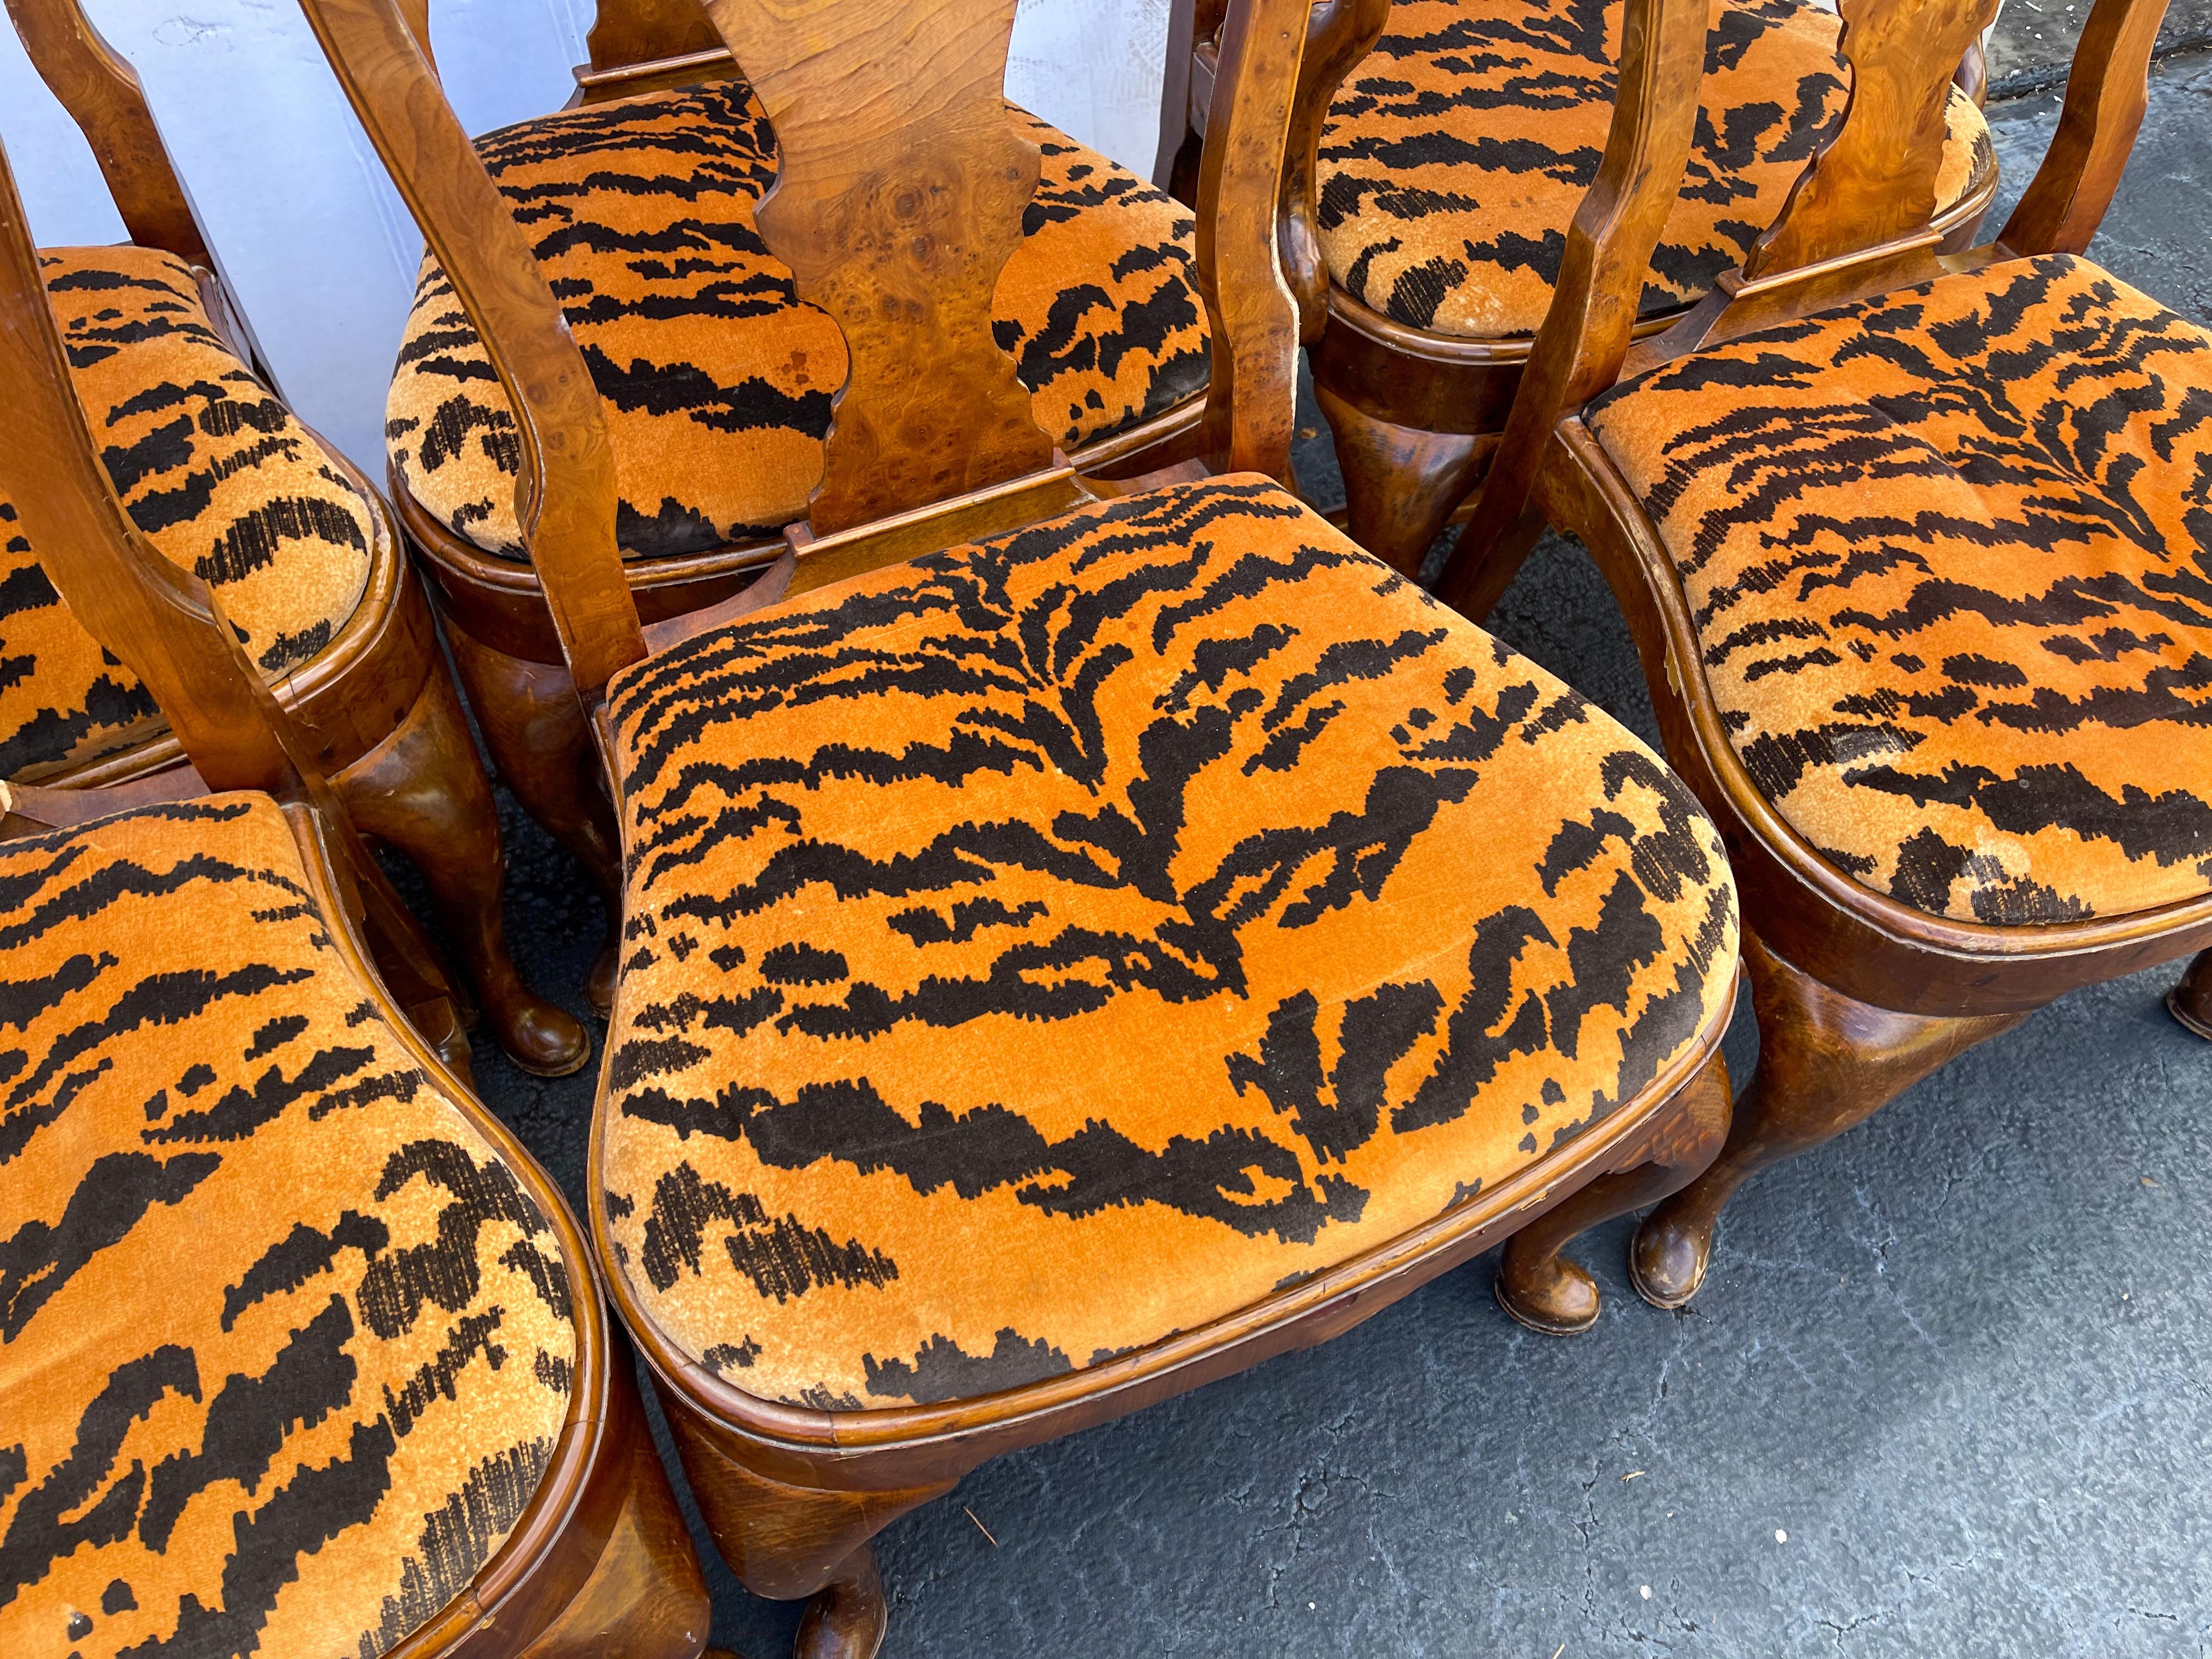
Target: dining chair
x=299 y=1352
x=225 y=480
x=1080 y=939
x=1914 y=548
x=1438 y=150
x=718 y=378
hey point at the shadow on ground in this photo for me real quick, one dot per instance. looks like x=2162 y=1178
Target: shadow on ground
x=1945 y=1391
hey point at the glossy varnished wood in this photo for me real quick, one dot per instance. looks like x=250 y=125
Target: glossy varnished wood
x=793 y=1493
x=1417 y=415
x=1858 y=994
x=899 y=194
x=91 y=81
x=599 y=1552
x=376 y=707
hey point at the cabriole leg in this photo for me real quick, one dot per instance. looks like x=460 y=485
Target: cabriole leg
x=542 y=748
x=423 y=790
x=1825 y=1062
x=1400 y=485
x=1549 y=1293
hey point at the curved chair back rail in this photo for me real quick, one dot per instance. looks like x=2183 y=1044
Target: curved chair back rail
x=161 y=621
x=101 y=91
x=904 y=257
x=276 y=511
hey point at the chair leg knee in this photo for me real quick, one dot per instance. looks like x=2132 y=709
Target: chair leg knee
x=1825 y=1062
x=424 y=791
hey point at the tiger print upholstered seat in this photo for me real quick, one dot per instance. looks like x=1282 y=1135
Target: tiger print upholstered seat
x=1950 y=553
x=285 y=1344
x=217 y=472
x=1059 y=942
x=1456 y=152
x=717 y=381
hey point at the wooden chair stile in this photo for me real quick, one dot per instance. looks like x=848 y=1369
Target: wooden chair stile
x=1456 y=130
x=1874 y=954
x=370 y=687
x=589 y=1548
x=984 y=673
x=647 y=57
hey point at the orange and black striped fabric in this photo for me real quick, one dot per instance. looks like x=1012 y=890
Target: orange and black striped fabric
x=285 y=1343
x=1456 y=152
x=717 y=379
x=1949 y=551
x=218 y=474
x=1055 y=943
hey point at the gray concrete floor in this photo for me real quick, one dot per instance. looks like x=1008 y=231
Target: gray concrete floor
x=1947 y=1391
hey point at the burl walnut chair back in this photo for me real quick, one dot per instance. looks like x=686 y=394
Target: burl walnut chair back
x=229 y=482
x=1078 y=1193
x=209 y=957
x=716 y=374
x=932 y=439
x=1906 y=540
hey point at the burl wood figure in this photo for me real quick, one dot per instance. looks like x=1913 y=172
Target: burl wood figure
x=299 y=1349
x=1913 y=545
x=718 y=379
x=226 y=482
x=1438 y=150
x=1080 y=937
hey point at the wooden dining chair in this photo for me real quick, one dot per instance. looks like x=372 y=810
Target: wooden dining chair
x=227 y=482
x=1438 y=150
x=299 y=1352
x=718 y=379
x=1079 y=942
x=1914 y=548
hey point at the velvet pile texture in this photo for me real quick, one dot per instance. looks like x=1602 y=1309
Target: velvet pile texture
x=1949 y=554
x=286 y=1342
x=1071 y=938
x=1456 y=152
x=716 y=378
x=218 y=474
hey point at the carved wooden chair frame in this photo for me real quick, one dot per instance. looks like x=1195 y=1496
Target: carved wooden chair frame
x=505 y=644
x=600 y=1547
x=1416 y=414
x=1859 y=994
x=793 y=1494
x=377 y=703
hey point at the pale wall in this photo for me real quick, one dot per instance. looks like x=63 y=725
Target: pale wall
x=312 y=234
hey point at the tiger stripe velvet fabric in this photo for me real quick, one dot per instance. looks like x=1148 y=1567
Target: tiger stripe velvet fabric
x=717 y=381
x=285 y=1345
x=1456 y=152
x=1058 y=942
x=1949 y=553
x=218 y=474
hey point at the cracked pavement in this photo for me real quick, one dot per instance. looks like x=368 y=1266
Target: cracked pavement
x=1957 y=1356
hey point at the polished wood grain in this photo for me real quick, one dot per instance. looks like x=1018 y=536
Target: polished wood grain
x=793 y=1494
x=99 y=91
x=1858 y=994
x=1585 y=336
x=376 y=708
x=631 y=32
x=899 y=195
x=2105 y=97
x=1252 y=405
x=565 y=491
x=599 y=1551
x=1549 y=1293
x=1417 y=416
